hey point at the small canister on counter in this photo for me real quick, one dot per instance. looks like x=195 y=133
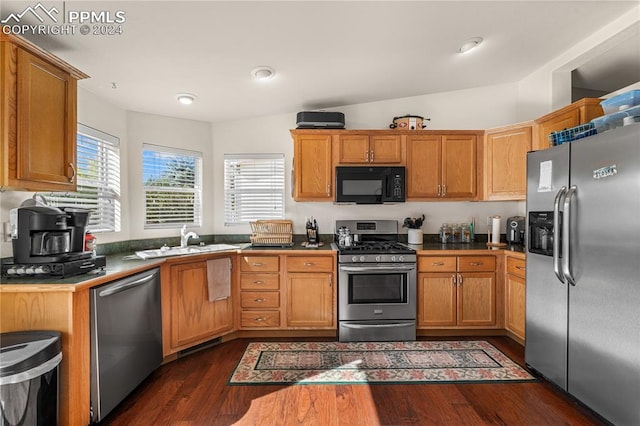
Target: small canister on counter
x=445 y=233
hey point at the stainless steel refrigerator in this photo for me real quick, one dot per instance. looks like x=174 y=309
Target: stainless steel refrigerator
x=583 y=270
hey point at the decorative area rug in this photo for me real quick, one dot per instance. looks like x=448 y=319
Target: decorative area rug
x=375 y=362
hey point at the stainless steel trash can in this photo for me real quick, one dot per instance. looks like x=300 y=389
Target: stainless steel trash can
x=29 y=363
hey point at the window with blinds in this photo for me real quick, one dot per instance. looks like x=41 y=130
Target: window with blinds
x=253 y=187
x=172 y=180
x=98 y=186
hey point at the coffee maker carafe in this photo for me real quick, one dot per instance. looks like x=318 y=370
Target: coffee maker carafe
x=43 y=235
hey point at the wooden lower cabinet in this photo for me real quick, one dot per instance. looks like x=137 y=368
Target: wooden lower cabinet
x=192 y=318
x=462 y=293
x=260 y=296
x=310 y=299
x=515 y=294
x=310 y=291
x=61 y=308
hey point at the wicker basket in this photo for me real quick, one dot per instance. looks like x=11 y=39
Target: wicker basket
x=272 y=233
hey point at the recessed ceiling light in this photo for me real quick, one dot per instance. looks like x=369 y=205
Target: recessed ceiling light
x=470 y=44
x=186 y=98
x=263 y=73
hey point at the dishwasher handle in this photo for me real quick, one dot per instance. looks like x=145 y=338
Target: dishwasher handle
x=124 y=286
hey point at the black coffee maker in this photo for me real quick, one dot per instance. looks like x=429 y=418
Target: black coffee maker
x=49 y=234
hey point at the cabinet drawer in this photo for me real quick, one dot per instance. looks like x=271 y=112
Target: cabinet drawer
x=516 y=266
x=260 y=319
x=476 y=263
x=260 y=299
x=259 y=281
x=310 y=263
x=259 y=263
x=437 y=264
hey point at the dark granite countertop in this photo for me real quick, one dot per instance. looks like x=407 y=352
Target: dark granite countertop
x=120 y=265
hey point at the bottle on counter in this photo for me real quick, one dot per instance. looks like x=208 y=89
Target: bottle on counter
x=90 y=242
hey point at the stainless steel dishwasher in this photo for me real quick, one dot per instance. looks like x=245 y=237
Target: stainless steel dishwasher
x=126 y=338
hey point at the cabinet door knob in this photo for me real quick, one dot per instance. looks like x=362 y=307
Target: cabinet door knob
x=73 y=176
x=437 y=264
x=459 y=279
x=439 y=190
x=453 y=279
x=371 y=156
x=328 y=190
x=521 y=268
x=257 y=264
x=259 y=300
x=309 y=264
x=444 y=190
x=259 y=318
x=258 y=282
x=475 y=263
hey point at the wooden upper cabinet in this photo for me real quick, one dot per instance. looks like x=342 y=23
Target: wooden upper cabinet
x=312 y=166
x=579 y=112
x=505 y=162
x=368 y=149
x=353 y=149
x=459 y=166
x=424 y=166
x=442 y=166
x=38 y=118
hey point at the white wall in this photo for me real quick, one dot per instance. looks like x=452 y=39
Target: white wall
x=549 y=87
x=479 y=108
x=171 y=132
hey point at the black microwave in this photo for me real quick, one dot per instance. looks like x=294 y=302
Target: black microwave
x=370 y=185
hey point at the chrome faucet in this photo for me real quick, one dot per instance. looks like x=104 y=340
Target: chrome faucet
x=184 y=236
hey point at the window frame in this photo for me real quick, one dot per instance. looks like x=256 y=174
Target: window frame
x=197 y=192
x=234 y=217
x=107 y=187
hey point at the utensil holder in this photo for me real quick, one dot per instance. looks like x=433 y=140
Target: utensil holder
x=415 y=236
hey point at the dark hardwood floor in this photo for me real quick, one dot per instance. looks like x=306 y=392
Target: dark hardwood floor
x=193 y=390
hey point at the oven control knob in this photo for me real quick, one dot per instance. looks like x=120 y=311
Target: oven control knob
x=20 y=270
x=29 y=270
x=393 y=258
x=400 y=258
x=377 y=258
x=354 y=259
x=11 y=271
x=361 y=258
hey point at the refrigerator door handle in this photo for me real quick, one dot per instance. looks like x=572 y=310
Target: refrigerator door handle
x=566 y=232
x=556 y=233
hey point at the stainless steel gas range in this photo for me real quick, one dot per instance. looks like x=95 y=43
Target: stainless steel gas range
x=376 y=283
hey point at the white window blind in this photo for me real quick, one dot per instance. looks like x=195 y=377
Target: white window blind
x=253 y=187
x=172 y=180
x=98 y=187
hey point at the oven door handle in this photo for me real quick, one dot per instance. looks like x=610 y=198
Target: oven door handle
x=378 y=268
x=359 y=326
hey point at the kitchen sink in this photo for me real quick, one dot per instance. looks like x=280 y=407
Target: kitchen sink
x=179 y=251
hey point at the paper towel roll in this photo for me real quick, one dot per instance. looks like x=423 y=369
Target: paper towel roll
x=495 y=229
